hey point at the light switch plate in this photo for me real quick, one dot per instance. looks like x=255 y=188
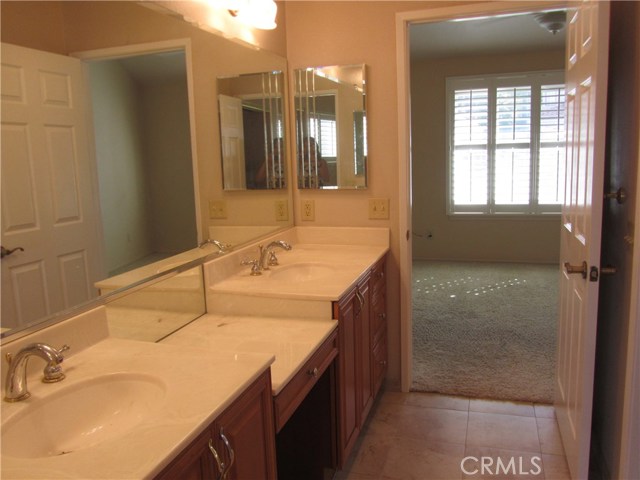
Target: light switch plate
x=379 y=208
x=217 y=209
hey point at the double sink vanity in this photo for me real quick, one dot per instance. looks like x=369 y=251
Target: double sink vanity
x=274 y=381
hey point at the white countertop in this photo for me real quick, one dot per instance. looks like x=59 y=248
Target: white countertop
x=292 y=341
x=198 y=386
x=339 y=268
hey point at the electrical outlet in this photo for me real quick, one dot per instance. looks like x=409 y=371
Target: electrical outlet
x=217 y=209
x=308 y=210
x=378 y=208
x=282 y=210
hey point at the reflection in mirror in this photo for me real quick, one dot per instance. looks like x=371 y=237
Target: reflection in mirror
x=63 y=29
x=152 y=313
x=331 y=127
x=252 y=134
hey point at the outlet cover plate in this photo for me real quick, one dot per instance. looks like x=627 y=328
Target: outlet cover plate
x=282 y=210
x=308 y=211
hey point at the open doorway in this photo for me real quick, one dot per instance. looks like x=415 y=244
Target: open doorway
x=140 y=106
x=485 y=262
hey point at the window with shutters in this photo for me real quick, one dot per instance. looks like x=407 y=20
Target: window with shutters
x=505 y=144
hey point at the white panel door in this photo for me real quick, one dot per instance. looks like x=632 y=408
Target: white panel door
x=586 y=80
x=48 y=204
x=232 y=133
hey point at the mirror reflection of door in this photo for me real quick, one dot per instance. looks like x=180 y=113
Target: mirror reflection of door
x=49 y=212
x=232 y=141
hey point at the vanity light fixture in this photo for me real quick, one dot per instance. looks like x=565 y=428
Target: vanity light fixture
x=259 y=14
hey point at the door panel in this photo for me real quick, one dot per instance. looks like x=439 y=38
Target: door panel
x=586 y=82
x=48 y=203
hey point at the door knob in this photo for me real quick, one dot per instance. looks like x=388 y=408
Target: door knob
x=620 y=195
x=5 y=252
x=572 y=269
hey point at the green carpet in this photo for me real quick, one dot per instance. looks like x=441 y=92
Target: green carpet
x=485 y=330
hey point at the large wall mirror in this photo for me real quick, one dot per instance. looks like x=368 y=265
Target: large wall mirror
x=331 y=127
x=146 y=218
x=252 y=131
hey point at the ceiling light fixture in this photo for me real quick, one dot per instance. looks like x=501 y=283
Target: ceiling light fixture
x=259 y=14
x=552 y=21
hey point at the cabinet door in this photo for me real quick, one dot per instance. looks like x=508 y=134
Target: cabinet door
x=348 y=404
x=245 y=435
x=196 y=462
x=364 y=378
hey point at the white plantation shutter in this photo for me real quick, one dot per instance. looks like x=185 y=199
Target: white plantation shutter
x=506 y=153
x=513 y=145
x=552 y=147
x=470 y=161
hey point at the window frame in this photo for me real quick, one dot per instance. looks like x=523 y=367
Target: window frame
x=536 y=80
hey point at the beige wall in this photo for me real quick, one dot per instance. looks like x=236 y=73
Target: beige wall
x=464 y=237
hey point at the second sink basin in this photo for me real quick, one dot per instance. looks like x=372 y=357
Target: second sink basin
x=81 y=415
x=302 y=272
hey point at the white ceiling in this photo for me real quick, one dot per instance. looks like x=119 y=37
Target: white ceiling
x=495 y=35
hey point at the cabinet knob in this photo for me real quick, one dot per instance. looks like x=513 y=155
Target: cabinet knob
x=382 y=316
x=314 y=372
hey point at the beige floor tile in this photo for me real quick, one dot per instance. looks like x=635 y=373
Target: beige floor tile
x=549 y=436
x=369 y=455
x=433 y=424
x=555 y=467
x=507 y=408
x=413 y=460
x=434 y=400
x=500 y=464
x=393 y=397
x=345 y=475
x=503 y=431
x=544 y=411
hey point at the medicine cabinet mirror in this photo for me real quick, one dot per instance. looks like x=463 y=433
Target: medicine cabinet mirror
x=252 y=132
x=331 y=127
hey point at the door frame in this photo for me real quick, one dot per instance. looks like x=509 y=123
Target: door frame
x=184 y=44
x=403 y=21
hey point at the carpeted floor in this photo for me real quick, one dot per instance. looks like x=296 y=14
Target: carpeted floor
x=485 y=330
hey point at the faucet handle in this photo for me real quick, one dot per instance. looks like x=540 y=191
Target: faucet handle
x=255 y=266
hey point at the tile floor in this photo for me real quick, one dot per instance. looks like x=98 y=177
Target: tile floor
x=426 y=436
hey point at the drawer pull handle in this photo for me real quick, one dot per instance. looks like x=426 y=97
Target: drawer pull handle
x=314 y=372
x=232 y=455
x=219 y=462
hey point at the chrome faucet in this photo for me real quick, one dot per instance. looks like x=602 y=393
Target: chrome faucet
x=223 y=247
x=16 y=385
x=268 y=257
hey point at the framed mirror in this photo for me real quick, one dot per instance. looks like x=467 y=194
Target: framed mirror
x=331 y=127
x=252 y=133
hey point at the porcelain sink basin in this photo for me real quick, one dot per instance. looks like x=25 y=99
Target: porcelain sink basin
x=82 y=415
x=302 y=272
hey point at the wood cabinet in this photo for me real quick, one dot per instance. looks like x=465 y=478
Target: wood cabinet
x=361 y=315
x=238 y=445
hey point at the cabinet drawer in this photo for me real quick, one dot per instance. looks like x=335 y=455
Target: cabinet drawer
x=286 y=402
x=379 y=367
x=378 y=317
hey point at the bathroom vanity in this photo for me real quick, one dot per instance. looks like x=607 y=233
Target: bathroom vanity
x=282 y=371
